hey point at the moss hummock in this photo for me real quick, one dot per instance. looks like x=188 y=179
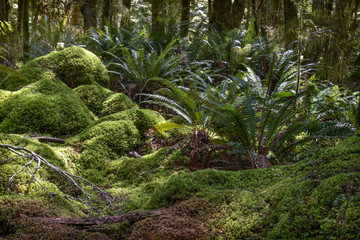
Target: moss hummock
x=102 y=101
x=74 y=66
x=47 y=106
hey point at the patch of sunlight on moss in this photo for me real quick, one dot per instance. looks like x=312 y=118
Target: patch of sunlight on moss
x=75 y=66
x=47 y=106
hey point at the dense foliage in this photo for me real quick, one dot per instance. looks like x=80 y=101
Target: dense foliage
x=238 y=118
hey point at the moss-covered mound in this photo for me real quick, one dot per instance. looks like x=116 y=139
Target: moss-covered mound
x=93 y=96
x=144 y=119
x=75 y=66
x=317 y=198
x=47 y=106
x=102 y=101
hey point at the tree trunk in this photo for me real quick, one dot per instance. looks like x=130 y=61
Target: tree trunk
x=89 y=14
x=125 y=18
x=4 y=10
x=290 y=21
x=20 y=15
x=25 y=26
x=156 y=12
x=237 y=13
x=106 y=16
x=185 y=18
x=274 y=14
x=220 y=14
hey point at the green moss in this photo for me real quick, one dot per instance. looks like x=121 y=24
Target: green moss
x=116 y=103
x=132 y=169
x=317 y=198
x=93 y=96
x=144 y=119
x=47 y=106
x=75 y=66
x=58 y=156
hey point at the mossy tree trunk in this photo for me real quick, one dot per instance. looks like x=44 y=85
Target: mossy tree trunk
x=290 y=21
x=274 y=13
x=106 y=13
x=88 y=10
x=25 y=26
x=237 y=13
x=219 y=17
x=156 y=13
x=125 y=18
x=185 y=18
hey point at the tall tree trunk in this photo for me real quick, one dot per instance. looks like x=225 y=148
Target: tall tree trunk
x=274 y=14
x=185 y=18
x=220 y=14
x=20 y=15
x=89 y=14
x=4 y=10
x=237 y=13
x=156 y=13
x=25 y=26
x=106 y=16
x=290 y=21
x=125 y=18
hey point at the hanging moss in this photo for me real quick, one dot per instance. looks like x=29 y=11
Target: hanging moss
x=74 y=66
x=47 y=106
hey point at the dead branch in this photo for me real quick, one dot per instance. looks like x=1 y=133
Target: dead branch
x=102 y=200
x=50 y=139
x=131 y=217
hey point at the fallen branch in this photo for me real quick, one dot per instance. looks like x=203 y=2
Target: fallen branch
x=131 y=217
x=94 y=205
x=49 y=139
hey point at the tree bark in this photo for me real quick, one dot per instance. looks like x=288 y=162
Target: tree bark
x=106 y=16
x=185 y=18
x=290 y=21
x=237 y=13
x=25 y=26
x=156 y=12
x=4 y=10
x=125 y=18
x=274 y=14
x=89 y=14
x=220 y=14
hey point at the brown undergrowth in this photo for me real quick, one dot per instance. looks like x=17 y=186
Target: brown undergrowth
x=186 y=220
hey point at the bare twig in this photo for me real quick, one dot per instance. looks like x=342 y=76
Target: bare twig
x=93 y=204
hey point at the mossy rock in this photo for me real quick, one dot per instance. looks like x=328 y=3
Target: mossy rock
x=116 y=136
x=102 y=101
x=75 y=66
x=116 y=103
x=47 y=106
x=93 y=96
x=144 y=119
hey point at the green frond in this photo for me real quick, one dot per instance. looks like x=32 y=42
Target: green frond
x=165 y=126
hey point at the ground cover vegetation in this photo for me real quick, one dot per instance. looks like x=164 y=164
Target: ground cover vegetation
x=170 y=119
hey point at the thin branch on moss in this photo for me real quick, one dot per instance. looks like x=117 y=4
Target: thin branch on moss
x=93 y=204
